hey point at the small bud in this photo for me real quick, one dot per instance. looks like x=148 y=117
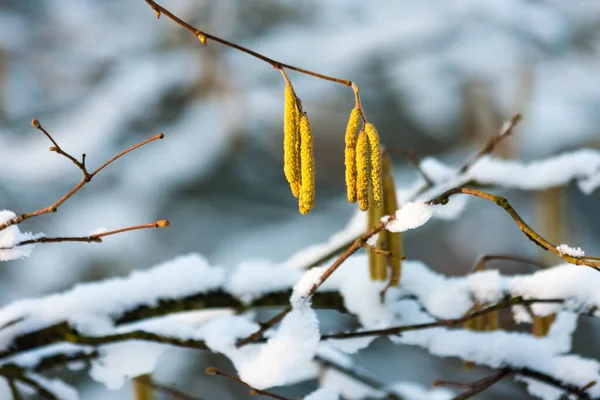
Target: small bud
x=163 y=223
x=202 y=37
x=157 y=12
x=161 y=135
x=98 y=240
x=254 y=392
x=52 y=148
x=35 y=123
x=211 y=371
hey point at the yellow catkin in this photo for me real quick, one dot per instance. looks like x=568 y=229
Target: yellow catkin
x=541 y=325
x=363 y=169
x=377 y=261
x=474 y=324
x=350 y=154
x=291 y=140
x=375 y=165
x=307 y=162
x=493 y=321
x=390 y=205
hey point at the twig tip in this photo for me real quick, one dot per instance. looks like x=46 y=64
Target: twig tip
x=35 y=123
x=163 y=223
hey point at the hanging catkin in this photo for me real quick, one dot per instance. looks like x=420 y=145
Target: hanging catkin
x=375 y=165
x=363 y=169
x=390 y=206
x=306 y=201
x=350 y=154
x=291 y=141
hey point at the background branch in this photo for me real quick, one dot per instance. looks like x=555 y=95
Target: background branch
x=87 y=177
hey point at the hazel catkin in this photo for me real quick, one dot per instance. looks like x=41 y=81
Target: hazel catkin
x=390 y=206
x=307 y=167
x=363 y=168
x=350 y=153
x=375 y=154
x=291 y=141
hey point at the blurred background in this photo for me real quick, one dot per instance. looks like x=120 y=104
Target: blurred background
x=437 y=77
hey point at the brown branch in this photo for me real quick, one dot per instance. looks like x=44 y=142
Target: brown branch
x=253 y=391
x=163 y=223
x=505 y=131
x=359 y=375
x=454 y=322
x=374 y=249
x=13 y=373
x=169 y=391
x=87 y=177
x=480 y=263
x=14 y=391
x=259 y=334
x=413 y=160
x=478 y=386
x=526 y=229
x=203 y=36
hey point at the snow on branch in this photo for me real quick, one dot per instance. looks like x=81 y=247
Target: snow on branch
x=425 y=297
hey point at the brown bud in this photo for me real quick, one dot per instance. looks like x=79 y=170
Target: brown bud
x=35 y=123
x=163 y=223
x=211 y=371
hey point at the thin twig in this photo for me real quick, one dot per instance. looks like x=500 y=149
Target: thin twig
x=526 y=229
x=476 y=387
x=505 y=131
x=358 y=375
x=264 y=327
x=158 y=9
x=14 y=390
x=87 y=177
x=480 y=263
x=163 y=223
x=413 y=160
x=440 y=323
x=253 y=391
x=169 y=391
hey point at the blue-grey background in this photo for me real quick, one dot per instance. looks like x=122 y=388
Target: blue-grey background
x=436 y=77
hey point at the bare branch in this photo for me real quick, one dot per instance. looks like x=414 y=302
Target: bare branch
x=505 y=131
x=526 y=229
x=253 y=391
x=87 y=177
x=163 y=223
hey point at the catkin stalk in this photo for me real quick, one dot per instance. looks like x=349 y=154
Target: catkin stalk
x=291 y=141
x=363 y=169
x=375 y=149
x=350 y=153
x=390 y=206
x=307 y=167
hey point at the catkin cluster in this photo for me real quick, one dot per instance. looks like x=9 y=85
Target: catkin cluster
x=298 y=158
x=363 y=163
x=390 y=242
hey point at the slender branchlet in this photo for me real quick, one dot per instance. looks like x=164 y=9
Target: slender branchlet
x=363 y=169
x=350 y=154
x=307 y=161
x=375 y=154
